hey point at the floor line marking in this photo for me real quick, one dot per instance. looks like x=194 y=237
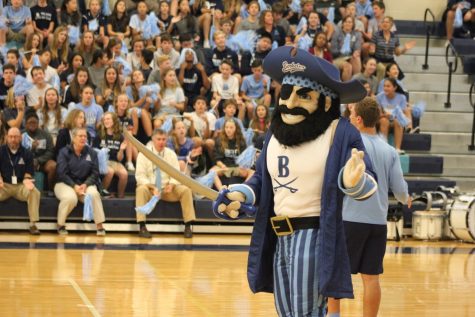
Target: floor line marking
x=84 y=298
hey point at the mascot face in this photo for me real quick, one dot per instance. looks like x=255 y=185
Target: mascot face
x=302 y=115
x=297 y=103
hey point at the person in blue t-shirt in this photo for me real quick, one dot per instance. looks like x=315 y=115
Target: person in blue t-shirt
x=92 y=111
x=255 y=88
x=365 y=220
x=18 y=23
x=390 y=99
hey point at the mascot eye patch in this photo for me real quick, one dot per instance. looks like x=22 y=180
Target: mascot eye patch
x=287 y=90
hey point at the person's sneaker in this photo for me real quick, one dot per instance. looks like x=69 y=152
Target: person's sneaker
x=400 y=152
x=105 y=193
x=101 y=232
x=130 y=166
x=50 y=194
x=34 y=230
x=414 y=130
x=206 y=44
x=62 y=231
x=188 y=231
x=143 y=233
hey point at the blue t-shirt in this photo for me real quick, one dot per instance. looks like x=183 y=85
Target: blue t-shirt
x=184 y=149
x=255 y=89
x=386 y=165
x=16 y=17
x=93 y=116
x=389 y=105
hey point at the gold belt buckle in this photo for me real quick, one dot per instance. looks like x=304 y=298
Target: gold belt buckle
x=276 y=227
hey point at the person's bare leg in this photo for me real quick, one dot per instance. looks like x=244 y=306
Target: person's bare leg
x=217 y=181
x=333 y=306
x=249 y=110
x=50 y=170
x=267 y=100
x=205 y=22
x=398 y=131
x=147 y=122
x=3 y=37
x=384 y=127
x=106 y=181
x=122 y=183
x=372 y=295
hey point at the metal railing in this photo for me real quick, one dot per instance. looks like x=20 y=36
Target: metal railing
x=430 y=29
x=452 y=64
x=471 y=146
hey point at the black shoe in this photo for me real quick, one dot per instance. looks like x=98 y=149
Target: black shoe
x=143 y=233
x=105 y=193
x=188 y=231
x=34 y=231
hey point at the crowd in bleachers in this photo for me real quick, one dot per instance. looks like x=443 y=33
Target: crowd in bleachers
x=192 y=68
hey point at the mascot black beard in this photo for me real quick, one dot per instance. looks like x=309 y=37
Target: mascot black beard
x=311 y=158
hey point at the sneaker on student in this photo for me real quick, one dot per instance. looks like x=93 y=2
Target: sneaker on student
x=144 y=233
x=130 y=166
x=62 y=231
x=400 y=152
x=101 y=232
x=188 y=231
x=34 y=231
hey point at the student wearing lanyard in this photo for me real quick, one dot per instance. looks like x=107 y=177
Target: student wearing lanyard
x=16 y=176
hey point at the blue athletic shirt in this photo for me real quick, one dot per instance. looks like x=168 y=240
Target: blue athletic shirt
x=387 y=167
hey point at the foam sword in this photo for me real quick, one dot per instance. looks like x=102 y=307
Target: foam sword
x=218 y=198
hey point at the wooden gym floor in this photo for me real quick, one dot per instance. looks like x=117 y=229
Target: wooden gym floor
x=122 y=275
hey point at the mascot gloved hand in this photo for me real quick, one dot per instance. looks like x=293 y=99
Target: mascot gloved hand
x=354 y=169
x=234 y=203
x=353 y=180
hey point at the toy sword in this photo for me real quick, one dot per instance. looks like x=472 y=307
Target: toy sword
x=218 y=198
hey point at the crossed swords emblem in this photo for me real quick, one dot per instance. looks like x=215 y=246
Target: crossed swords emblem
x=286 y=185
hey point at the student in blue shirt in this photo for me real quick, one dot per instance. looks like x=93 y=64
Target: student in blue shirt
x=255 y=88
x=18 y=22
x=365 y=220
x=391 y=98
x=92 y=111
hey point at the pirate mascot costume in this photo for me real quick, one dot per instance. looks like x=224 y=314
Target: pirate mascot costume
x=310 y=159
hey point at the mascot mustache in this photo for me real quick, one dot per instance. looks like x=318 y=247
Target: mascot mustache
x=297 y=110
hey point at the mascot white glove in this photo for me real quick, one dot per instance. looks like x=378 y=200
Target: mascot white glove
x=354 y=169
x=231 y=210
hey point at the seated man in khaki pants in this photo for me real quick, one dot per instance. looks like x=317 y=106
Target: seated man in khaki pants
x=16 y=176
x=171 y=190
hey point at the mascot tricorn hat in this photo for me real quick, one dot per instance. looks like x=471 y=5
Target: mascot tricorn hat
x=289 y=65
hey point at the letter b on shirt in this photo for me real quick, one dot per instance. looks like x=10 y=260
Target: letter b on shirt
x=283 y=166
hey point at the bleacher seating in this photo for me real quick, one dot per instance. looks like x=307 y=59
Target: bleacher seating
x=465 y=48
